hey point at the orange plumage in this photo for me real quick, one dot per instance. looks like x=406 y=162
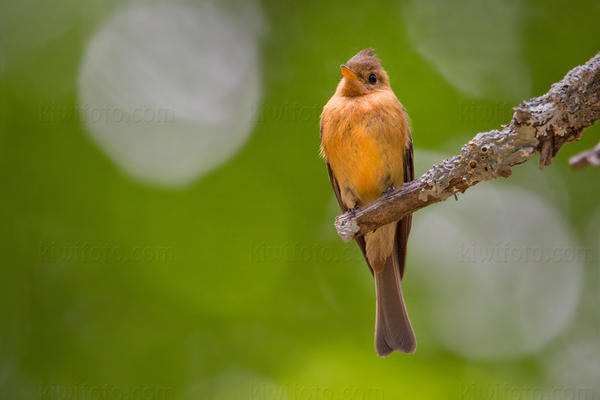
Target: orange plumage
x=365 y=139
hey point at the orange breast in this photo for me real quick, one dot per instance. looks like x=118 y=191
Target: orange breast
x=364 y=139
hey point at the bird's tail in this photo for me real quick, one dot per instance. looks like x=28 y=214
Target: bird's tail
x=392 y=326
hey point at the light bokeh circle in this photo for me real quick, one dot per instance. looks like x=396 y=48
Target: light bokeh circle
x=169 y=91
x=476 y=45
x=500 y=271
x=576 y=368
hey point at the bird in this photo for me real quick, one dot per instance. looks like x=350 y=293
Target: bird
x=367 y=147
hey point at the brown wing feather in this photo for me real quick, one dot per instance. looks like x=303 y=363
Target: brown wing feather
x=404 y=225
x=336 y=189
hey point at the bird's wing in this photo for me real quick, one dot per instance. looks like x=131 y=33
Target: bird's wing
x=336 y=189
x=403 y=226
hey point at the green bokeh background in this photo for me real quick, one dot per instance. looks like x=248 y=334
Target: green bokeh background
x=245 y=297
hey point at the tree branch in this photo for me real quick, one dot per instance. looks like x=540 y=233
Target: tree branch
x=542 y=124
x=585 y=158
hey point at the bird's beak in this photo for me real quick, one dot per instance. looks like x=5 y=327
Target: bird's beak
x=348 y=73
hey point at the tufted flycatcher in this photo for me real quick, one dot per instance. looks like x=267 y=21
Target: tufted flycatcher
x=366 y=143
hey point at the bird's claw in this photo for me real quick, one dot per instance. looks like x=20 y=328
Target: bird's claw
x=352 y=211
x=388 y=190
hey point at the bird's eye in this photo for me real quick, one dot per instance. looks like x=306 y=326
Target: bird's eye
x=372 y=78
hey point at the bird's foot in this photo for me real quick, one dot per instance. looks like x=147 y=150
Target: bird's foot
x=389 y=190
x=352 y=211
